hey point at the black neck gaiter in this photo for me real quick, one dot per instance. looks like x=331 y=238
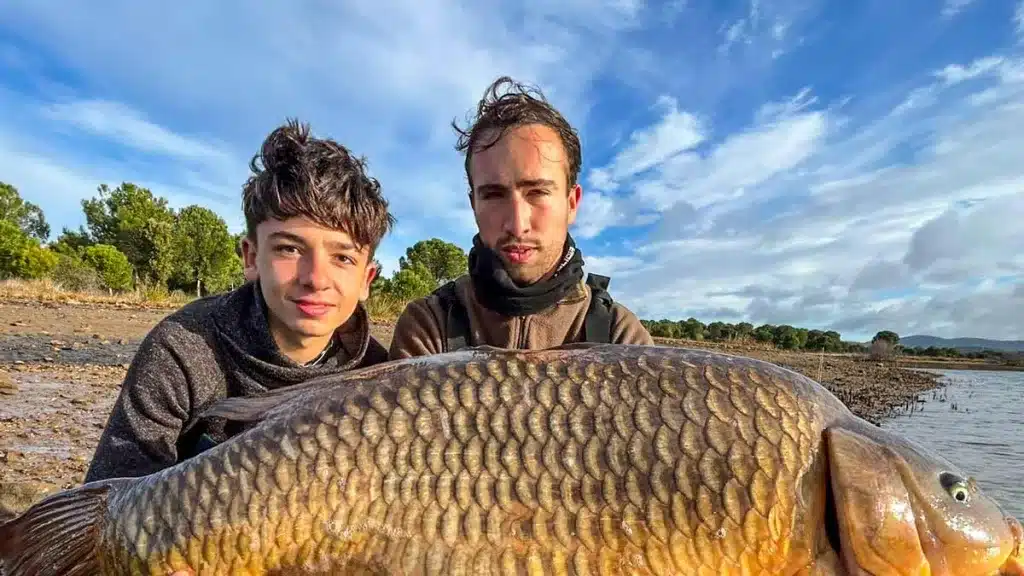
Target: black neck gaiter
x=498 y=292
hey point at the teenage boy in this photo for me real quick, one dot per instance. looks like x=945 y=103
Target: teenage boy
x=525 y=288
x=314 y=219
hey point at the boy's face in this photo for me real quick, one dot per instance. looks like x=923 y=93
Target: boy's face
x=311 y=277
x=521 y=201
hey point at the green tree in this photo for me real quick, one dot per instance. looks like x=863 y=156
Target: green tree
x=73 y=274
x=230 y=277
x=717 y=331
x=765 y=333
x=112 y=266
x=71 y=242
x=136 y=222
x=203 y=247
x=828 y=341
x=21 y=256
x=787 y=337
x=691 y=329
x=413 y=281
x=744 y=330
x=25 y=215
x=444 y=261
x=888 y=336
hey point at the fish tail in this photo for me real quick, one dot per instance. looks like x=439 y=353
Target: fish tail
x=59 y=535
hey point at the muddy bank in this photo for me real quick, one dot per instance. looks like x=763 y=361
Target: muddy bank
x=76 y=350
x=49 y=426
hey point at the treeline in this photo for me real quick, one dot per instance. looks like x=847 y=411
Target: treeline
x=132 y=240
x=782 y=336
x=980 y=354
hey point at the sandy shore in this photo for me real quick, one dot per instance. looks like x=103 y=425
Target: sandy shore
x=61 y=367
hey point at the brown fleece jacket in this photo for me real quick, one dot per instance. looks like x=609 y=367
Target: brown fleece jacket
x=420 y=330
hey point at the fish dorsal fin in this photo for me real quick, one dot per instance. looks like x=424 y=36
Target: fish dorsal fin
x=254 y=408
x=579 y=346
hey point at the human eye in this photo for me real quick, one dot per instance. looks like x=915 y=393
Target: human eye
x=286 y=249
x=345 y=259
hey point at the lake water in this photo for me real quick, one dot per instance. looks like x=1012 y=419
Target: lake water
x=976 y=422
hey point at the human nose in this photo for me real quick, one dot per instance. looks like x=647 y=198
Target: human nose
x=315 y=270
x=517 y=219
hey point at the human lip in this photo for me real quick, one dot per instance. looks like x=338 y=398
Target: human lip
x=518 y=253
x=313 y=307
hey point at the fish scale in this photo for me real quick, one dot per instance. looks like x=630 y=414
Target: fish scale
x=603 y=460
x=585 y=468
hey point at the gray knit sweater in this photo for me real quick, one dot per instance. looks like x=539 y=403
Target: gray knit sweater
x=212 y=348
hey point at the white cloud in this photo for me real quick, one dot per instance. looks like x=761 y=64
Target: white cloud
x=953 y=7
x=1018 y=19
x=126 y=126
x=597 y=213
x=676 y=133
x=828 y=216
x=786 y=134
x=956 y=73
x=58 y=182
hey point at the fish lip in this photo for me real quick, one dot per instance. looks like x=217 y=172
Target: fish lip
x=1018 y=535
x=1012 y=567
x=1014 y=563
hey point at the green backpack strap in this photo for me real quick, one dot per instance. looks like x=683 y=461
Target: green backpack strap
x=456 y=319
x=598 y=322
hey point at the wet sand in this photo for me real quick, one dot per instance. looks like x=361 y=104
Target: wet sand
x=61 y=367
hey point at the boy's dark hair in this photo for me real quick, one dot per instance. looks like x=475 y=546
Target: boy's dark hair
x=316 y=178
x=521 y=104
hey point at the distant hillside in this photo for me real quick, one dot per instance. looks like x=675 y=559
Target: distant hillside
x=962 y=344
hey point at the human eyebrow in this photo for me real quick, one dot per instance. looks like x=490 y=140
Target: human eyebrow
x=342 y=246
x=281 y=235
x=535 y=183
x=491 y=189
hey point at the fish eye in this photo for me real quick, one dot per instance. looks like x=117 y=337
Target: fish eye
x=956 y=486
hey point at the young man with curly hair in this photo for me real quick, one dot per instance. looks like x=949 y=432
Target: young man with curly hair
x=314 y=219
x=525 y=288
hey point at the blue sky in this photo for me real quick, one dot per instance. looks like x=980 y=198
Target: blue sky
x=842 y=165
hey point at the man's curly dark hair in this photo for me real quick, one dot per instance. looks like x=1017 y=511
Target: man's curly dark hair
x=295 y=174
x=508 y=104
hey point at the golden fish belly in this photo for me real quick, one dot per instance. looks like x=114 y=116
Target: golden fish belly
x=635 y=464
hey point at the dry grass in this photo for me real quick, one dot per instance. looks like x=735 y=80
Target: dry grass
x=383 y=308
x=48 y=290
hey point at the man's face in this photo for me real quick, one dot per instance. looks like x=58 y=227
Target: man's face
x=521 y=202
x=311 y=277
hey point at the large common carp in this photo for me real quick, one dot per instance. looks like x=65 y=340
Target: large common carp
x=584 y=459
